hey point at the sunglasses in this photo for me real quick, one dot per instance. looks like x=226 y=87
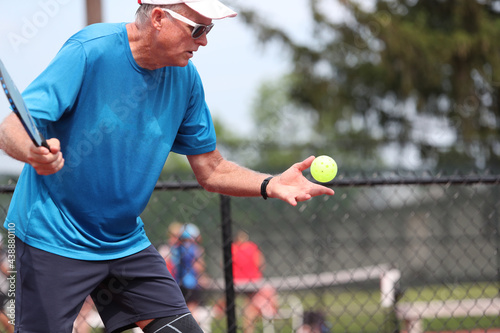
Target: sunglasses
x=198 y=29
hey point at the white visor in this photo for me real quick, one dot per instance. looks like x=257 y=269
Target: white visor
x=213 y=9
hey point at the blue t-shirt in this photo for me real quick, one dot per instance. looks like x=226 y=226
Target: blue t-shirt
x=117 y=123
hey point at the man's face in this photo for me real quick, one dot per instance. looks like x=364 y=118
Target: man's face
x=175 y=45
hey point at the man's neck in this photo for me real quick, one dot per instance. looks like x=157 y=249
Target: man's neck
x=140 y=46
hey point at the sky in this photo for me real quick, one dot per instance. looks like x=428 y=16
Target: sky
x=232 y=65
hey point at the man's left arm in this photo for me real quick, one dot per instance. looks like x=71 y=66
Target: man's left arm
x=219 y=175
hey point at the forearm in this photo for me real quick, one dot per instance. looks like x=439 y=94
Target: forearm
x=231 y=179
x=17 y=144
x=14 y=140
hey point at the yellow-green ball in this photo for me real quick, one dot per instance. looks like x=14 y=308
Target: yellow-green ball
x=324 y=169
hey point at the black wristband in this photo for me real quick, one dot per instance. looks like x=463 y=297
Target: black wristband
x=263 y=187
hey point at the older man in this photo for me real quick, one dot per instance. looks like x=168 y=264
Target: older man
x=114 y=102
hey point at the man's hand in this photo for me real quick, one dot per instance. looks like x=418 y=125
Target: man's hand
x=291 y=186
x=46 y=162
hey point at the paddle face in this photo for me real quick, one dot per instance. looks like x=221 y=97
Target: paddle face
x=19 y=107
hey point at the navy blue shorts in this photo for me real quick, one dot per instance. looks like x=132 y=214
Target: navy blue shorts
x=51 y=289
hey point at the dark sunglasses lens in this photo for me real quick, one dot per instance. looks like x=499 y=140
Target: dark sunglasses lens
x=198 y=31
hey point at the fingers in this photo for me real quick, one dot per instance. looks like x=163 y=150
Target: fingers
x=302 y=197
x=305 y=164
x=46 y=162
x=295 y=194
x=294 y=173
x=309 y=194
x=321 y=190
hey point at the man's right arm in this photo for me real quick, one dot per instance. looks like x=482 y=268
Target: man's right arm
x=17 y=144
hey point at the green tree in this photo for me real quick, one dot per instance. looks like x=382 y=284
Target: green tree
x=419 y=78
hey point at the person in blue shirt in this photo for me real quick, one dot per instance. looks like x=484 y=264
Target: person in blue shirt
x=114 y=102
x=188 y=265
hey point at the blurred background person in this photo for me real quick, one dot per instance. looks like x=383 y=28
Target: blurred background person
x=174 y=231
x=88 y=318
x=188 y=269
x=248 y=267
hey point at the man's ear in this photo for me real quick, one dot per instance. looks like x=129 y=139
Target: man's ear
x=157 y=15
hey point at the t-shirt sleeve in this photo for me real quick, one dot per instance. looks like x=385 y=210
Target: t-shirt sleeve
x=196 y=134
x=56 y=89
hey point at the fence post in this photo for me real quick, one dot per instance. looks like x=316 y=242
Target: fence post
x=227 y=239
x=496 y=231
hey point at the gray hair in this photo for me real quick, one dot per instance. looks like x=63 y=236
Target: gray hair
x=144 y=11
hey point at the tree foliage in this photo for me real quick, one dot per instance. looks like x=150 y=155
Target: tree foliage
x=420 y=78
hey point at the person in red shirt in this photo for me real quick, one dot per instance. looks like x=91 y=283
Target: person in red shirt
x=248 y=265
x=248 y=261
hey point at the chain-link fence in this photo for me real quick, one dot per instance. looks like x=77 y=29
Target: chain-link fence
x=384 y=254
